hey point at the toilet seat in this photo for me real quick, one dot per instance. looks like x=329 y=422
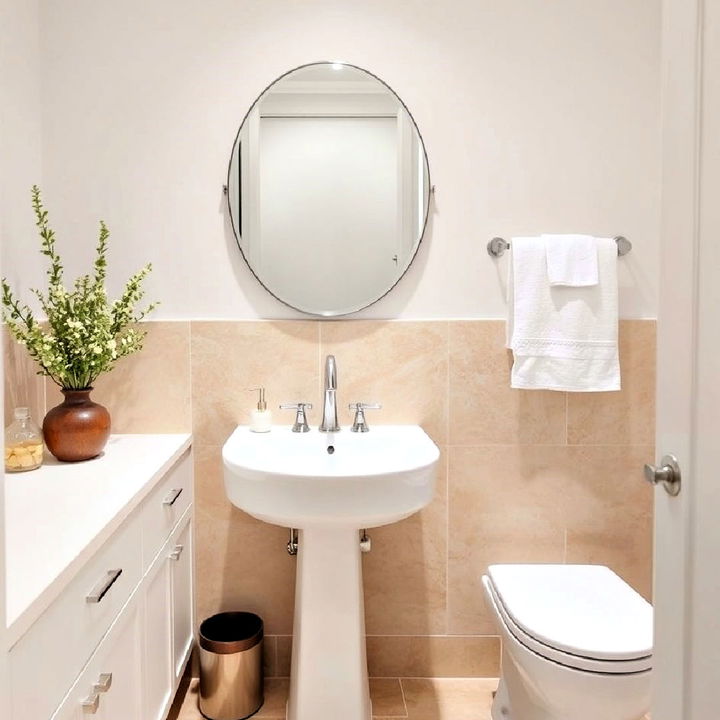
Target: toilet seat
x=581 y=616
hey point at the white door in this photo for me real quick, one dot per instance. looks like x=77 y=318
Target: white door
x=687 y=528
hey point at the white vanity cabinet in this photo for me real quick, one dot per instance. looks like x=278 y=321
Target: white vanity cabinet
x=110 y=635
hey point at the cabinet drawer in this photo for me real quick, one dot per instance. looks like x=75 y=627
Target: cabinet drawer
x=58 y=645
x=109 y=687
x=165 y=505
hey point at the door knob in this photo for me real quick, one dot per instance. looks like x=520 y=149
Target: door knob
x=668 y=474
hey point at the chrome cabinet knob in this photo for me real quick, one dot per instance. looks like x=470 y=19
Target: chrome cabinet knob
x=104 y=682
x=90 y=704
x=667 y=474
x=177 y=552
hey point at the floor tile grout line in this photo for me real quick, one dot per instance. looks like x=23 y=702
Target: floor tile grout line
x=423 y=635
x=190 y=688
x=402 y=694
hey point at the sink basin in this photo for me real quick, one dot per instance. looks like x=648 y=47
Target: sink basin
x=329 y=485
x=291 y=479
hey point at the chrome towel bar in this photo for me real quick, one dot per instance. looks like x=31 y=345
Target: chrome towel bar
x=497 y=246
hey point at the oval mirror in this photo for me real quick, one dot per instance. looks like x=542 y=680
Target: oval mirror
x=328 y=188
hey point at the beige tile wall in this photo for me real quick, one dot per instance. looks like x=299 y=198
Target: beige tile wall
x=22 y=386
x=525 y=476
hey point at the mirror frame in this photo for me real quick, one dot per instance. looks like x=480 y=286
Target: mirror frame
x=430 y=192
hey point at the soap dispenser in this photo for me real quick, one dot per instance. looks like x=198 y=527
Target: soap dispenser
x=260 y=417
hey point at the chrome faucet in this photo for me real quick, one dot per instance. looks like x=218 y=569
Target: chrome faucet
x=329 y=419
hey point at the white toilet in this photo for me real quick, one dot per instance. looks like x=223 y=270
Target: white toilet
x=577 y=643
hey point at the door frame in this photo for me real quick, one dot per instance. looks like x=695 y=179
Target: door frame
x=687 y=593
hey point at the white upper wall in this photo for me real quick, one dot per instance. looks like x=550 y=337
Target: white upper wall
x=537 y=116
x=20 y=138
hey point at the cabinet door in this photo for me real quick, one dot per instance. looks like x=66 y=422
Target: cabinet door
x=109 y=688
x=182 y=596
x=118 y=667
x=158 y=640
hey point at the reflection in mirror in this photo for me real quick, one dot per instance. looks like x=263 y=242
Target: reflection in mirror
x=328 y=188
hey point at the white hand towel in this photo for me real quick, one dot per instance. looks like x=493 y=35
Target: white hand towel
x=571 y=260
x=562 y=338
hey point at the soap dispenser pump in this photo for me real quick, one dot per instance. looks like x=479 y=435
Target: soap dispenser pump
x=260 y=417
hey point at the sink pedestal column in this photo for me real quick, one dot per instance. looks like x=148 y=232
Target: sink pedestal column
x=328 y=678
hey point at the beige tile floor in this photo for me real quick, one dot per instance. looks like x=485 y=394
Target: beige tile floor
x=415 y=699
x=392 y=698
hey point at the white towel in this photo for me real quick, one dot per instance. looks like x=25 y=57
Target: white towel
x=563 y=338
x=571 y=260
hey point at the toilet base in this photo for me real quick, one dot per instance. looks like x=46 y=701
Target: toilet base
x=500 y=709
x=523 y=709
x=519 y=698
x=533 y=687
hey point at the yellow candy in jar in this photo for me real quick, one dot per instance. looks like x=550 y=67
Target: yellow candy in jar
x=23 y=443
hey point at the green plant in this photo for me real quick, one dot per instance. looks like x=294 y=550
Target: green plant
x=85 y=334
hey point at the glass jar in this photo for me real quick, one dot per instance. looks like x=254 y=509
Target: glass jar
x=23 y=443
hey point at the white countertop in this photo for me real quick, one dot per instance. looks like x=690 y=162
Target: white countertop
x=59 y=515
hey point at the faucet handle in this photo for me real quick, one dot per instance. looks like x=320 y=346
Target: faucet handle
x=359 y=423
x=301 y=424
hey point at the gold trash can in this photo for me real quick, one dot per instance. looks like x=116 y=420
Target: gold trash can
x=231 y=666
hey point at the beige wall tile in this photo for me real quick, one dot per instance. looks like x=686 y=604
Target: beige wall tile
x=483 y=408
x=242 y=563
x=449 y=699
x=149 y=391
x=404 y=577
x=402 y=365
x=626 y=417
x=23 y=386
x=433 y=656
x=608 y=510
x=284 y=655
x=270 y=655
x=418 y=656
x=502 y=499
x=503 y=507
x=229 y=357
x=387 y=698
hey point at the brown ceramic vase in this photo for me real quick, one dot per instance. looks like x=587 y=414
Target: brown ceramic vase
x=78 y=428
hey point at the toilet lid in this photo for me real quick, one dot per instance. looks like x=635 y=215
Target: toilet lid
x=584 y=610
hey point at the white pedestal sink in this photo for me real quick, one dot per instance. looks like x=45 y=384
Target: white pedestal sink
x=291 y=479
